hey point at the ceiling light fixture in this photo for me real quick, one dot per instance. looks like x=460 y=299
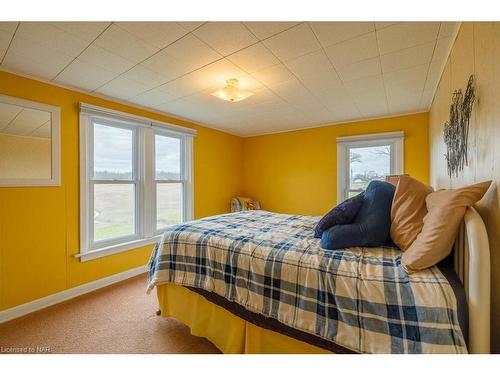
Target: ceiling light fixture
x=231 y=92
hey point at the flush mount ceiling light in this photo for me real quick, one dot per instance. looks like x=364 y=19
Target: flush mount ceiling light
x=231 y=92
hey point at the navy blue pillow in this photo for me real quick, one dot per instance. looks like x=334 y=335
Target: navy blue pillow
x=372 y=224
x=344 y=213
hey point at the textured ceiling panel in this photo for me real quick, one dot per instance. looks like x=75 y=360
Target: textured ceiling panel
x=302 y=74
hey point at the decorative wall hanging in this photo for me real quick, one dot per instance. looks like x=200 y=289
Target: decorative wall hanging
x=456 y=129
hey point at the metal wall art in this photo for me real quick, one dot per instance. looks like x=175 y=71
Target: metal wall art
x=456 y=129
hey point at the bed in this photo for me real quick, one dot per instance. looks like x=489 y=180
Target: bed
x=259 y=282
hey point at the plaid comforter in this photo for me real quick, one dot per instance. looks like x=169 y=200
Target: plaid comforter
x=360 y=298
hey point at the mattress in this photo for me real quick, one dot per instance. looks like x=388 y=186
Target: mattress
x=359 y=299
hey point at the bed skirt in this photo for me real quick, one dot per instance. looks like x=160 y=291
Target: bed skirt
x=229 y=333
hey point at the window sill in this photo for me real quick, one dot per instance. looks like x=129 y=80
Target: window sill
x=115 y=249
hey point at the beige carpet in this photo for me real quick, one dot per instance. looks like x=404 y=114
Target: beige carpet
x=118 y=319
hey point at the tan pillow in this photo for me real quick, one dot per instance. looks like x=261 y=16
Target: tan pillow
x=408 y=211
x=394 y=178
x=446 y=209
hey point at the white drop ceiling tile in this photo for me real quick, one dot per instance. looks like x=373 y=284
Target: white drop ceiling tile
x=313 y=110
x=188 y=106
x=104 y=59
x=408 y=57
x=433 y=77
x=225 y=37
x=166 y=65
x=84 y=75
x=8 y=112
x=405 y=35
x=427 y=98
x=361 y=69
x=260 y=96
x=344 y=110
x=192 y=53
x=264 y=109
x=87 y=31
x=274 y=75
x=328 y=96
x=368 y=84
x=339 y=100
x=360 y=48
x=122 y=43
x=311 y=63
x=5 y=38
x=404 y=104
x=318 y=116
x=148 y=77
x=190 y=26
x=448 y=29
x=26 y=65
x=330 y=33
x=292 y=91
x=45 y=35
x=383 y=25
x=27 y=57
x=371 y=104
x=183 y=86
x=9 y=27
x=42 y=132
x=293 y=42
x=320 y=81
x=406 y=80
x=168 y=107
x=122 y=88
x=263 y=30
x=158 y=34
x=254 y=58
x=7 y=30
x=373 y=111
x=434 y=72
x=442 y=50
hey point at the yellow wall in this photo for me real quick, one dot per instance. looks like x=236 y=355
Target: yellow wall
x=39 y=226
x=295 y=172
x=476 y=51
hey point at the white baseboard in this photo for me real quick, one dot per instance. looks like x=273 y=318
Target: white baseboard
x=29 y=307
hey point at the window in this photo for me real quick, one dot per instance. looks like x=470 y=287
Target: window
x=361 y=159
x=169 y=182
x=135 y=180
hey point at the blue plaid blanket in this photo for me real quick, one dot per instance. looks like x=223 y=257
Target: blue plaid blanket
x=359 y=298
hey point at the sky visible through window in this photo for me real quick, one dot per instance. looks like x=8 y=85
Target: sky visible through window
x=167 y=158
x=367 y=164
x=113 y=150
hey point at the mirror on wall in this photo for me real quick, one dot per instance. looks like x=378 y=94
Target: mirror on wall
x=29 y=143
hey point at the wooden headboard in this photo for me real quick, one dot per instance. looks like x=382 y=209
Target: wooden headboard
x=472 y=265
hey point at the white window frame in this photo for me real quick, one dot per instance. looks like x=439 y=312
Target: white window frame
x=144 y=130
x=344 y=144
x=185 y=177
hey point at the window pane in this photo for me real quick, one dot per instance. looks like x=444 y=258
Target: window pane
x=168 y=204
x=113 y=152
x=114 y=211
x=352 y=193
x=367 y=164
x=167 y=158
